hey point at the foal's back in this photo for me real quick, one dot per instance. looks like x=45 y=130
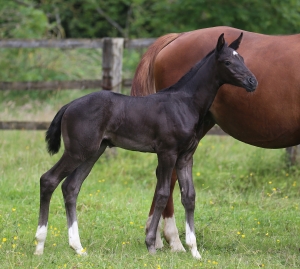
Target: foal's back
x=134 y=123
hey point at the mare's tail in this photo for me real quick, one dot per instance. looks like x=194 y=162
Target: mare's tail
x=54 y=132
x=143 y=82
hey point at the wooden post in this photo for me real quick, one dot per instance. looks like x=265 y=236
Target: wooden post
x=112 y=55
x=292 y=155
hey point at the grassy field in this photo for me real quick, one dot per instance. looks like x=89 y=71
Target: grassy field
x=247 y=209
x=246 y=215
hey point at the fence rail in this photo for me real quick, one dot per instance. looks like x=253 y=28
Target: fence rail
x=72 y=43
x=57 y=85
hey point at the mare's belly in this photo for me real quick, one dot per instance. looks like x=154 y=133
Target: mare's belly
x=257 y=118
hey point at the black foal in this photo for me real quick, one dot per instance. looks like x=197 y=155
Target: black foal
x=168 y=123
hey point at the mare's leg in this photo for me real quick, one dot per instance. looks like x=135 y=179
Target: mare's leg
x=70 y=189
x=163 y=173
x=170 y=230
x=169 y=226
x=48 y=183
x=185 y=180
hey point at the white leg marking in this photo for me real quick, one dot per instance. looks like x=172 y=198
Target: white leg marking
x=74 y=240
x=40 y=237
x=171 y=235
x=158 y=241
x=191 y=242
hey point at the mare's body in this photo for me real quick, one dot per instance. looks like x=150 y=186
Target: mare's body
x=169 y=123
x=272 y=118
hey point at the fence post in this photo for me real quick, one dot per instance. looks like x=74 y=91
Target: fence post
x=112 y=55
x=293 y=155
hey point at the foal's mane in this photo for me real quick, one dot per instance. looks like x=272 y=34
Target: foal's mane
x=185 y=78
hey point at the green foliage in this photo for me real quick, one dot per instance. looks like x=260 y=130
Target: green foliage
x=141 y=18
x=22 y=21
x=83 y=18
x=153 y=18
x=270 y=17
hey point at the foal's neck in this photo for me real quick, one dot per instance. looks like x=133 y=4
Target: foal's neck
x=204 y=84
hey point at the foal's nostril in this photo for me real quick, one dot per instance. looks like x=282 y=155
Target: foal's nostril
x=251 y=80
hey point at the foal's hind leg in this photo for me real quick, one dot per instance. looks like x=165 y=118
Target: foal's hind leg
x=184 y=172
x=48 y=183
x=70 y=189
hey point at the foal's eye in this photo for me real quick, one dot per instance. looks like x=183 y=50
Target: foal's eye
x=227 y=63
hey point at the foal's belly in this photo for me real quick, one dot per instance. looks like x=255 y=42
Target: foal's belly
x=129 y=141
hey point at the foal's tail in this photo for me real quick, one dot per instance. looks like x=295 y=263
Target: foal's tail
x=54 y=132
x=143 y=82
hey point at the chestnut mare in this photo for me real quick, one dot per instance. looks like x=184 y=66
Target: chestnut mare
x=169 y=123
x=269 y=119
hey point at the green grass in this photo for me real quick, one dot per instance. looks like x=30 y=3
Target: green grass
x=246 y=216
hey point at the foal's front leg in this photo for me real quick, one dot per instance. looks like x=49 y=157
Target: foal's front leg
x=163 y=173
x=184 y=173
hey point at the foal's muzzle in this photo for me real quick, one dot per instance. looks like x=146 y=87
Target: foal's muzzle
x=250 y=84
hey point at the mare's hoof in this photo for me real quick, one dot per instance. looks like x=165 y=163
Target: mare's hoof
x=159 y=243
x=176 y=246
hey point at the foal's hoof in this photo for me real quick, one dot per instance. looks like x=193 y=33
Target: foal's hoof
x=196 y=254
x=38 y=252
x=152 y=250
x=81 y=252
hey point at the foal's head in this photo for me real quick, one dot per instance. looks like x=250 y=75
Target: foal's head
x=231 y=67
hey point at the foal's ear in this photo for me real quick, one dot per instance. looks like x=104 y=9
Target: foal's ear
x=221 y=43
x=236 y=43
